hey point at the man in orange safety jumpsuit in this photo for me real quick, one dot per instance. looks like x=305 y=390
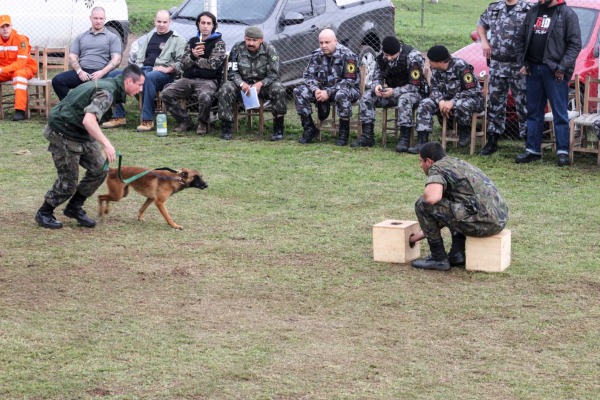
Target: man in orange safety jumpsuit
x=16 y=64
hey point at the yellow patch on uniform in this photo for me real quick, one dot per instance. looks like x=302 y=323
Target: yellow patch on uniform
x=468 y=78
x=350 y=68
x=23 y=45
x=415 y=74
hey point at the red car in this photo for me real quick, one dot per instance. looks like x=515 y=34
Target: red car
x=587 y=62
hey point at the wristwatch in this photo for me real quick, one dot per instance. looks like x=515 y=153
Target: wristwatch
x=78 y=71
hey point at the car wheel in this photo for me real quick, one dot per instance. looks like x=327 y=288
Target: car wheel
x=367 y=57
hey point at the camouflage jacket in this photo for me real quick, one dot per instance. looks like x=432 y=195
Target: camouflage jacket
x=340 y=71
x=467 y=185
x=262 y=66
x=209 y=66
x=457 y=82
x=502 y=26
x=415 y=63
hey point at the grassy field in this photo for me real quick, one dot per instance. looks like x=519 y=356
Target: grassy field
x=270 y=291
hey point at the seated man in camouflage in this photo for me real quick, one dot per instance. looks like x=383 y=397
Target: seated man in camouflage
x=253 y=63
x=455 y=93
x=332 y=75
x=398 y=81
x=459 y=196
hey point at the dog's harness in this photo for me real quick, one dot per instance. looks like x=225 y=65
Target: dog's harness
x=148 y=171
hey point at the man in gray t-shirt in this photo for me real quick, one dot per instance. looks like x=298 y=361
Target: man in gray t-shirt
x=93 y=54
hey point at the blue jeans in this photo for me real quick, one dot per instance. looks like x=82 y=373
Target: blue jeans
x=66 y=81
x=155 y=81
x=542 y=86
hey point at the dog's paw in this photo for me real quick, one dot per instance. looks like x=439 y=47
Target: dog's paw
x=177 y=227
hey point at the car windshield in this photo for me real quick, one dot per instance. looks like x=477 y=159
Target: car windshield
x=587 y=20
x=232 y=11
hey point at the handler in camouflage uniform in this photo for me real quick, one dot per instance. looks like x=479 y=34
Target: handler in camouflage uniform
x=458 y=196
x=73 y=131
x=202 y=67
x=332 y=75
x=455 y=92
x=400 y=68
x=502 y=20
x=252 y=63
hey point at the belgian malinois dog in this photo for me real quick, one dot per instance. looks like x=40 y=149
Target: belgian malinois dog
x=157 y=186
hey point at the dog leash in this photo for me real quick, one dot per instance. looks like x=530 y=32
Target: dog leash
x=135 y=177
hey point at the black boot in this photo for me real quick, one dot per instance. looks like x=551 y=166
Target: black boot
x=456 y=255
x=423 y=137
x=75 y=210
x=310 y=130
x=45 y=217
x=491 y=146
x=19 y=115
x=343 y=132
x=464 y=136
x=402 y=146
x=226 y=133
x=367 y=139
x=438 y=259
x=277 y=128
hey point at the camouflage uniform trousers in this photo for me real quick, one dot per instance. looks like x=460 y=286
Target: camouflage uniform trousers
x=68 y=155
x=457 y=217
x=405 y=102
x=463 y=110
x=203 y=89
x=343 y=100
x=498 y=87
x=229 y=93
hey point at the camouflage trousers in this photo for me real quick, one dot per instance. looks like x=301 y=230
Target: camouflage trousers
x=498 y=87
x=458 y=217
x=68 y=155
x=405 y=102
x=203 y=89
x=462 y=111
x=343 y=100
x=229 y=94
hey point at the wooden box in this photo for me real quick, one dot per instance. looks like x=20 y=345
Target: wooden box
x=390 y=241
x=489 y=254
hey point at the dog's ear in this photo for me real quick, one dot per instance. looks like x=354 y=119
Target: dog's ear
x=183 y=174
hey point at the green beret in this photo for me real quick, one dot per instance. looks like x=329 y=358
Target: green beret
x=253 y=32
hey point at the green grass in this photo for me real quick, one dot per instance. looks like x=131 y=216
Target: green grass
x=270 y=291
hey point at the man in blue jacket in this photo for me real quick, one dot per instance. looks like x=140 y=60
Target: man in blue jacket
x=547 y=47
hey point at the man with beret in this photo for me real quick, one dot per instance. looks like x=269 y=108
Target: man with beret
x=253 y=63
x=455 y=93
x=16 y=64
x=202 y=69
x=547 y=46
x=332 y=75
x=398 y=81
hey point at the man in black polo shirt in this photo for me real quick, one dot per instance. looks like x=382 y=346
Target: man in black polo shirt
x=73 y=131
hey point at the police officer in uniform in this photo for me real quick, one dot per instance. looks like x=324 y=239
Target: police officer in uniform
x=455 y=92
x=332 y=75
x=458 y=196
x=252 y=63
x=502 y=20
x=73 y=131
x=397 y=82
x=202 y=68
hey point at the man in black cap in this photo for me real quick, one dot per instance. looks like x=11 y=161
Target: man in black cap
x=455 y=93
x=253 y=63
x=398 y=81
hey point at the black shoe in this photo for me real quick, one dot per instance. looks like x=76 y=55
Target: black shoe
x=323 y=109
x=490 y=148
x=80 y=216
x=19 y=115
x=226 y=136
x=276 y=137
x=527 y=157
x=430 y=263
x=47 y=220
x=457 y=259
x=562 y=160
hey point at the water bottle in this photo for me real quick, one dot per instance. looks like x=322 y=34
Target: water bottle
x=161 y=125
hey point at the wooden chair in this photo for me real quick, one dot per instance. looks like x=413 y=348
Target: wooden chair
x=331 y=124
x=451 y=135
x=239 y=112
x=40 y=97
x=587 y=141
x=574 y=112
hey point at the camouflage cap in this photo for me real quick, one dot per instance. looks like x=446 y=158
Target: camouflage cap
x=253 y=32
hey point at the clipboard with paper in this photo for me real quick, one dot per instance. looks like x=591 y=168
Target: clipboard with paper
x=250 y=100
